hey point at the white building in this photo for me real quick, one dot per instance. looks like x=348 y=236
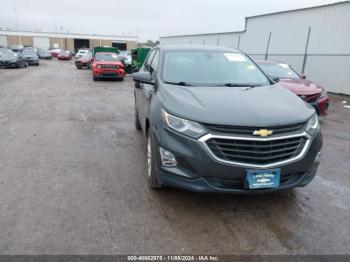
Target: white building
x=68 y=41
x=315 y=41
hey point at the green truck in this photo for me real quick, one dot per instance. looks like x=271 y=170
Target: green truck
x=138 y=56
x=99 y=49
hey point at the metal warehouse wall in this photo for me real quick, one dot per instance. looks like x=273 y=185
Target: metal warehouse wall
x=315 y=41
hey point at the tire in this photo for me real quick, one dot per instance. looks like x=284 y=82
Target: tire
x=150 y=172
x=137 y=121
x=95 y=78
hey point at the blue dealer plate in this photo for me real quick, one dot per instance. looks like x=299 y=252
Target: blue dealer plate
x=263 y=178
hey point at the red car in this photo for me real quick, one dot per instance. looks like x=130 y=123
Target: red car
x=309 y=91
x=107 y=65
x=64 y=55
x=55 y=52
x=84 y=61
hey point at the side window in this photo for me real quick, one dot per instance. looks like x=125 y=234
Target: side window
x=154 y=63
x=147 y=65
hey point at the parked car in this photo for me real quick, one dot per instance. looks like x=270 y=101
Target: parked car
x=44 y=54
x=30 y=48
x=84 y=61
x=309 y=91
x=214 y=122
x=31 y=57
x=16 y=48
x=55 y=52
x=64 y=55
x=81 y=53
x=126 y=60
x=10 y=59
x=107 y=64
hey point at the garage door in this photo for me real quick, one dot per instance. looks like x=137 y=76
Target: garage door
x=41 y=42
x=3 y=40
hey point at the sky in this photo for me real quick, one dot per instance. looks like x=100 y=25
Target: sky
x=149 y=19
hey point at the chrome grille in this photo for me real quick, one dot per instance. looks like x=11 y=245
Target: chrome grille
x=248 y=131
x=256 y=152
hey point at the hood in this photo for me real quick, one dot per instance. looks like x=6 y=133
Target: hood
x=301 y=86
x=6 y=57
x=238 y=106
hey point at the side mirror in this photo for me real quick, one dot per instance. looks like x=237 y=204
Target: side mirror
x=143 y=77
x=303 y=76
x=275 y=79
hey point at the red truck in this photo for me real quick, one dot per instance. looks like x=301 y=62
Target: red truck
x=107 y=64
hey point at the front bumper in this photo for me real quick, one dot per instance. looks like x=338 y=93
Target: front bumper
x=108 y=73
x=63 y=58
x=7 y=64
x=197 y=171
x=33 y=61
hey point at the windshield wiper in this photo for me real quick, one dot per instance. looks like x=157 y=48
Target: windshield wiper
x=240 y=85
x=181 y=83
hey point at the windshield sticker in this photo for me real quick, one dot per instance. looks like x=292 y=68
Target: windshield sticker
x=283 y=65
x=251 y=67
x=235 y=57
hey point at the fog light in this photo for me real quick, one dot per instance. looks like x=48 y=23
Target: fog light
x=318 y=156
x=168 y=159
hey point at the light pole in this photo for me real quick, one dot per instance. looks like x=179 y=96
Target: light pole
x=19 y=35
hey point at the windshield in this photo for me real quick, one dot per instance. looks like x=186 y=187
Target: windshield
x=278 y=70
x=86 y=55
x=211 y=68
x=109 y=57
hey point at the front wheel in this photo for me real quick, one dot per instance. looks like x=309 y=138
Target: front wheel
x=151 y=175
x=95 y=78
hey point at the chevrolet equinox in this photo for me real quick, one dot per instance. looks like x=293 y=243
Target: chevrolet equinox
x=214 y=122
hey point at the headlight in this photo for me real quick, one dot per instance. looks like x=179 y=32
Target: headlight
x=99 y=66
x=323 y=94
x=312 y=125
x=183 y=126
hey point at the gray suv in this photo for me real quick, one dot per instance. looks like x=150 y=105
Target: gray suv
x=214 y=122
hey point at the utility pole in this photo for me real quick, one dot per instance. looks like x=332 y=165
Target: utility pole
x=19 y=35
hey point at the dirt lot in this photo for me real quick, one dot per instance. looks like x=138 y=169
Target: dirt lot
x=71 y=181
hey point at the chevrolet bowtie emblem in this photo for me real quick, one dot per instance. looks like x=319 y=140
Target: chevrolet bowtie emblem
x=262 y=132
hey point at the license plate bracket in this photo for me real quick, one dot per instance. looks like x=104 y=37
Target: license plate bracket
x=260 y=178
